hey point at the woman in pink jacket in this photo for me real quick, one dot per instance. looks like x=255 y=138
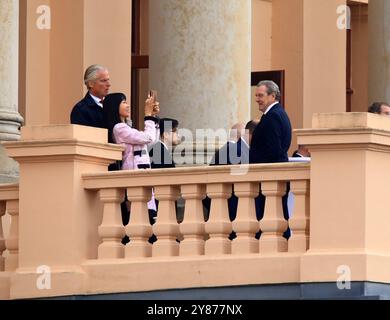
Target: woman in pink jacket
x=116 y=113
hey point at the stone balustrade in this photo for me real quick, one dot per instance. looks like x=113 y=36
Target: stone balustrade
x=9 y=203
x=193 y=184
x=70 y=216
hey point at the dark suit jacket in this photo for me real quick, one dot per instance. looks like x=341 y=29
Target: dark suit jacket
x=242 y=151
x=160 y=157
x=271 y=138
x=231 y=153
x=87 y=113
x=222 y=156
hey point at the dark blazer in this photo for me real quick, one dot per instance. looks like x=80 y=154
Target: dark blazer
x=222 y=156
x=231 y=153
x=160 y=157
x=242 y=151
x=87 y=113
x=271 y=138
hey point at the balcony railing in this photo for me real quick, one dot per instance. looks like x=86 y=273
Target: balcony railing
x=65 y=215
x=193 y=184
x=9 y=202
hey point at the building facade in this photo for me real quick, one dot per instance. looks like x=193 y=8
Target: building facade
x=203 y=58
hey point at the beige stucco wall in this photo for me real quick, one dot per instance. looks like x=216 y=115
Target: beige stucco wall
x=287 y=53
x=82 y=32
x=200 y=60
x=261 y=34
x=261 y=43
x=308 y=45
x=37 y=67
x=324 y=60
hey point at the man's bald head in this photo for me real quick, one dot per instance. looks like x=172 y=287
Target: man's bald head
x=236 y=131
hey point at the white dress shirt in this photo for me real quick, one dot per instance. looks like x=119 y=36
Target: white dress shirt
x=97 y=100
x=269 y=107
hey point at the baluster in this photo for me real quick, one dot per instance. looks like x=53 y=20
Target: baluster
x=12 y=241
x=299 y=223
x=193 y=225
x=246 y=225
x=2 y=240
x=218 y=226
x=273 y=223
x=111 y=231
x=166 y=228
x=139 y=228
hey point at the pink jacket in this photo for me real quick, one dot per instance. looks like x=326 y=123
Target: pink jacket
x=135 y=142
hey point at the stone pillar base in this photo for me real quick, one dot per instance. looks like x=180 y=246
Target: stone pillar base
x=9 y=169
x=10 y=122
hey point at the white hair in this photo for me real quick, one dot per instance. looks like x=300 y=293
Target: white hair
x=91 y=73
x=272 y=88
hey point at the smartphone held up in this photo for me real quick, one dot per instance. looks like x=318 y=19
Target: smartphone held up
x=156 y=105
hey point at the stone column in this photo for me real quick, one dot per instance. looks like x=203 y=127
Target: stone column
x=10 y=119
x=200 y=60
x=379 y=51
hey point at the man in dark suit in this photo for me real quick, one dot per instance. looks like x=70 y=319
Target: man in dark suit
x=229 y=153
x=233 y=153
x=160 y=153
x=245 y=141
x=271 y=138
x=161 y=156
x=89 y=111
x=236 y=150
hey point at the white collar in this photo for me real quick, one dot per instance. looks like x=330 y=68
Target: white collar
x=97 y=100
x=269 y=107
x=164 y=145
x=243 y=139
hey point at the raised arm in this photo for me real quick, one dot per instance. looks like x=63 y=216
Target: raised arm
x=125 y=134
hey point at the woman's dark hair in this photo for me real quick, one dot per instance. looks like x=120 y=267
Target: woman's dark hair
x=111 y=116
x=376 y=107
x=168 y=124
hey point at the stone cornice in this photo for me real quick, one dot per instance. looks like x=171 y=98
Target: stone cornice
x=345 y=139
x=198 y=175
x=62 y=149
x=9 y=191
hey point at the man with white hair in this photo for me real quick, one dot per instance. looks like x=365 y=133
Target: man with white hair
x=272 y=136
x=89 y=111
